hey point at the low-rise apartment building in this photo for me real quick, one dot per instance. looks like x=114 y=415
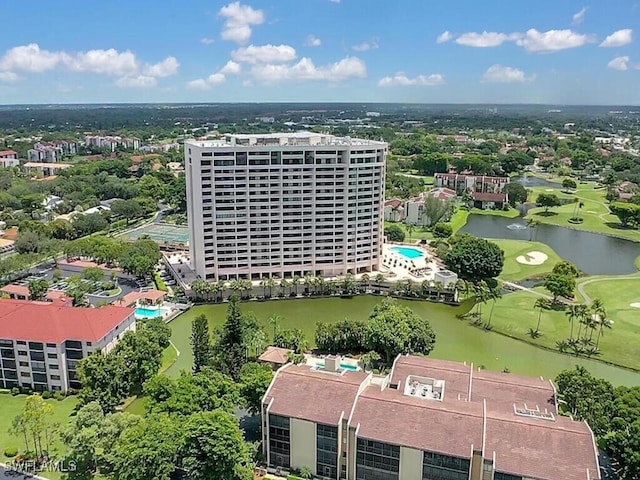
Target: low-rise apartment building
x=41 y=343
x=9 y=158
x=486 y=191
x=427 y=420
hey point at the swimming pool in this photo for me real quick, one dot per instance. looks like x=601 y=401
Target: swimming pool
x=142 y=312
x=408 y=252
x=344 y=366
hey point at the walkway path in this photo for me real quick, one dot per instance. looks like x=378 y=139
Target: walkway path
x=587 y=298
x=526 y=289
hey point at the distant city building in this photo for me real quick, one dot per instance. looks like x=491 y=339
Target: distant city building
x=51 y=152
x=427 y=419
x=111 y=142
x=45 y=169
x=284 y=205
x=41 y=343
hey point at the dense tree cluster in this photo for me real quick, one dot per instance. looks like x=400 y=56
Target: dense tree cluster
x=392 y=329
x=473 y=258
x=612 y=413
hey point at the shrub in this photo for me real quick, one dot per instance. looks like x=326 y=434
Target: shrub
x=10 y=452
x=58 y=396
x=394 y=233
x=442 y=230
x=46 y=395
x=15 y=391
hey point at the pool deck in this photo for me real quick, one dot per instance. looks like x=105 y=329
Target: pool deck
x=403 y=268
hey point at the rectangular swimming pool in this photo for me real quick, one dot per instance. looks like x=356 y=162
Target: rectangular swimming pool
x=408 y=252
x=344 y=366
x=142 y=312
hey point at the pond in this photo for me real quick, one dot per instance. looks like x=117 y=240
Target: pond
x=456 y=339
x=592 y=253
x=531 y=181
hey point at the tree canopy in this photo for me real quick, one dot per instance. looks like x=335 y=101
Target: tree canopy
x=474 y=258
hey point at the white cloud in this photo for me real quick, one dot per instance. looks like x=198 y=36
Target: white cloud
x=619 y=38
x=313 y=41
x=140 y=81
x=500 y=74
x=239 y=18
x=166 y=68
x=217 y=78
x=619 y=63
x=199 y=84
x=552 y=41
x=365 y=46
x=207 y=40
x=305 y=70
x=30 y=58
x=8 y=77
x=231 y=68
x=264 y=54
x=334 y=1
x=401 y=80
x=579 y=16
x=444 y=37
x=109 y=62
x=484 y=39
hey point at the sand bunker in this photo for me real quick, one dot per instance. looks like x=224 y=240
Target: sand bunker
x=532 y=258
x=635 y=305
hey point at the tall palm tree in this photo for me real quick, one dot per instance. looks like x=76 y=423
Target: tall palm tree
x=532 y=224
x=274 y=320
x=572 y=313
x=583 y=313
x=494 y=294
x=541 y=303
x=481 y=291
x=410 y=228
x=308 y=283
x=263 y=284
x=462 y=287
x=439 y=288
x=284 y=283
x=407 y=288
x=295 y=281
x=364 y=281
x=247 y=287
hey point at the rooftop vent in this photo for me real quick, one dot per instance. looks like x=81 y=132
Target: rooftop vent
x=423 y=387
x=533 y=413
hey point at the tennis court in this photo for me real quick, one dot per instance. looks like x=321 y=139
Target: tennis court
x=161 y=233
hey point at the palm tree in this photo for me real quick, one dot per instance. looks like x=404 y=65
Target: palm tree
x=364 y=281
x=407 y=288
x=347 y=284
x=215 y=288
x=493 y=293
x=481 y=291
x=540 y=303
x=284 y=283
x=295 y=281
x=320 y=284
x=425 y=288
x=583 y=313
x=572 y=313
x=263 y=284
x=379 y=280
x=274 y=320
x=410 y=228
x=247 y=286
x=532 y=224
x=308 y=283
x=462 y=287
x=439 y=287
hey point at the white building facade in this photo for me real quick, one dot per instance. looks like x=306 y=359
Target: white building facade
x=284 y=205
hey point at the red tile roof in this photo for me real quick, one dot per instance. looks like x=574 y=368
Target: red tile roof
x=133 y=297
x=275 y=355
x=393 y=202
x=489 y=197
x=441 y=193
x=4 y=153
x=53 y=323
x=299 y=391
x=24 y=291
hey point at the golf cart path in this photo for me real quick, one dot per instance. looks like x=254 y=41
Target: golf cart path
x=587 y=298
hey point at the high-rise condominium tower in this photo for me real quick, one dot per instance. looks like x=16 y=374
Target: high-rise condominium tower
x=284 y=204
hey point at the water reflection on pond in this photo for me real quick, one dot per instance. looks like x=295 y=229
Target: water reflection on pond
x=593 y=254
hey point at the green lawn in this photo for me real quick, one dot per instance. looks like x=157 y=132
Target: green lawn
x=455 y=339
x=459 y=219
x=511 y=213
x=514 y=271
x=417 y=234
x=595 y=213
x=11 y=406
x=514 y=315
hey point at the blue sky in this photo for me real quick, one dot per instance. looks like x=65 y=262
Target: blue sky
x=460 y=51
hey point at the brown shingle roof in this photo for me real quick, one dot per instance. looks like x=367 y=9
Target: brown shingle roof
x=489 y=197
x=563 y=449
x=275 y=355
x=298 y=391
x=391 y=417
